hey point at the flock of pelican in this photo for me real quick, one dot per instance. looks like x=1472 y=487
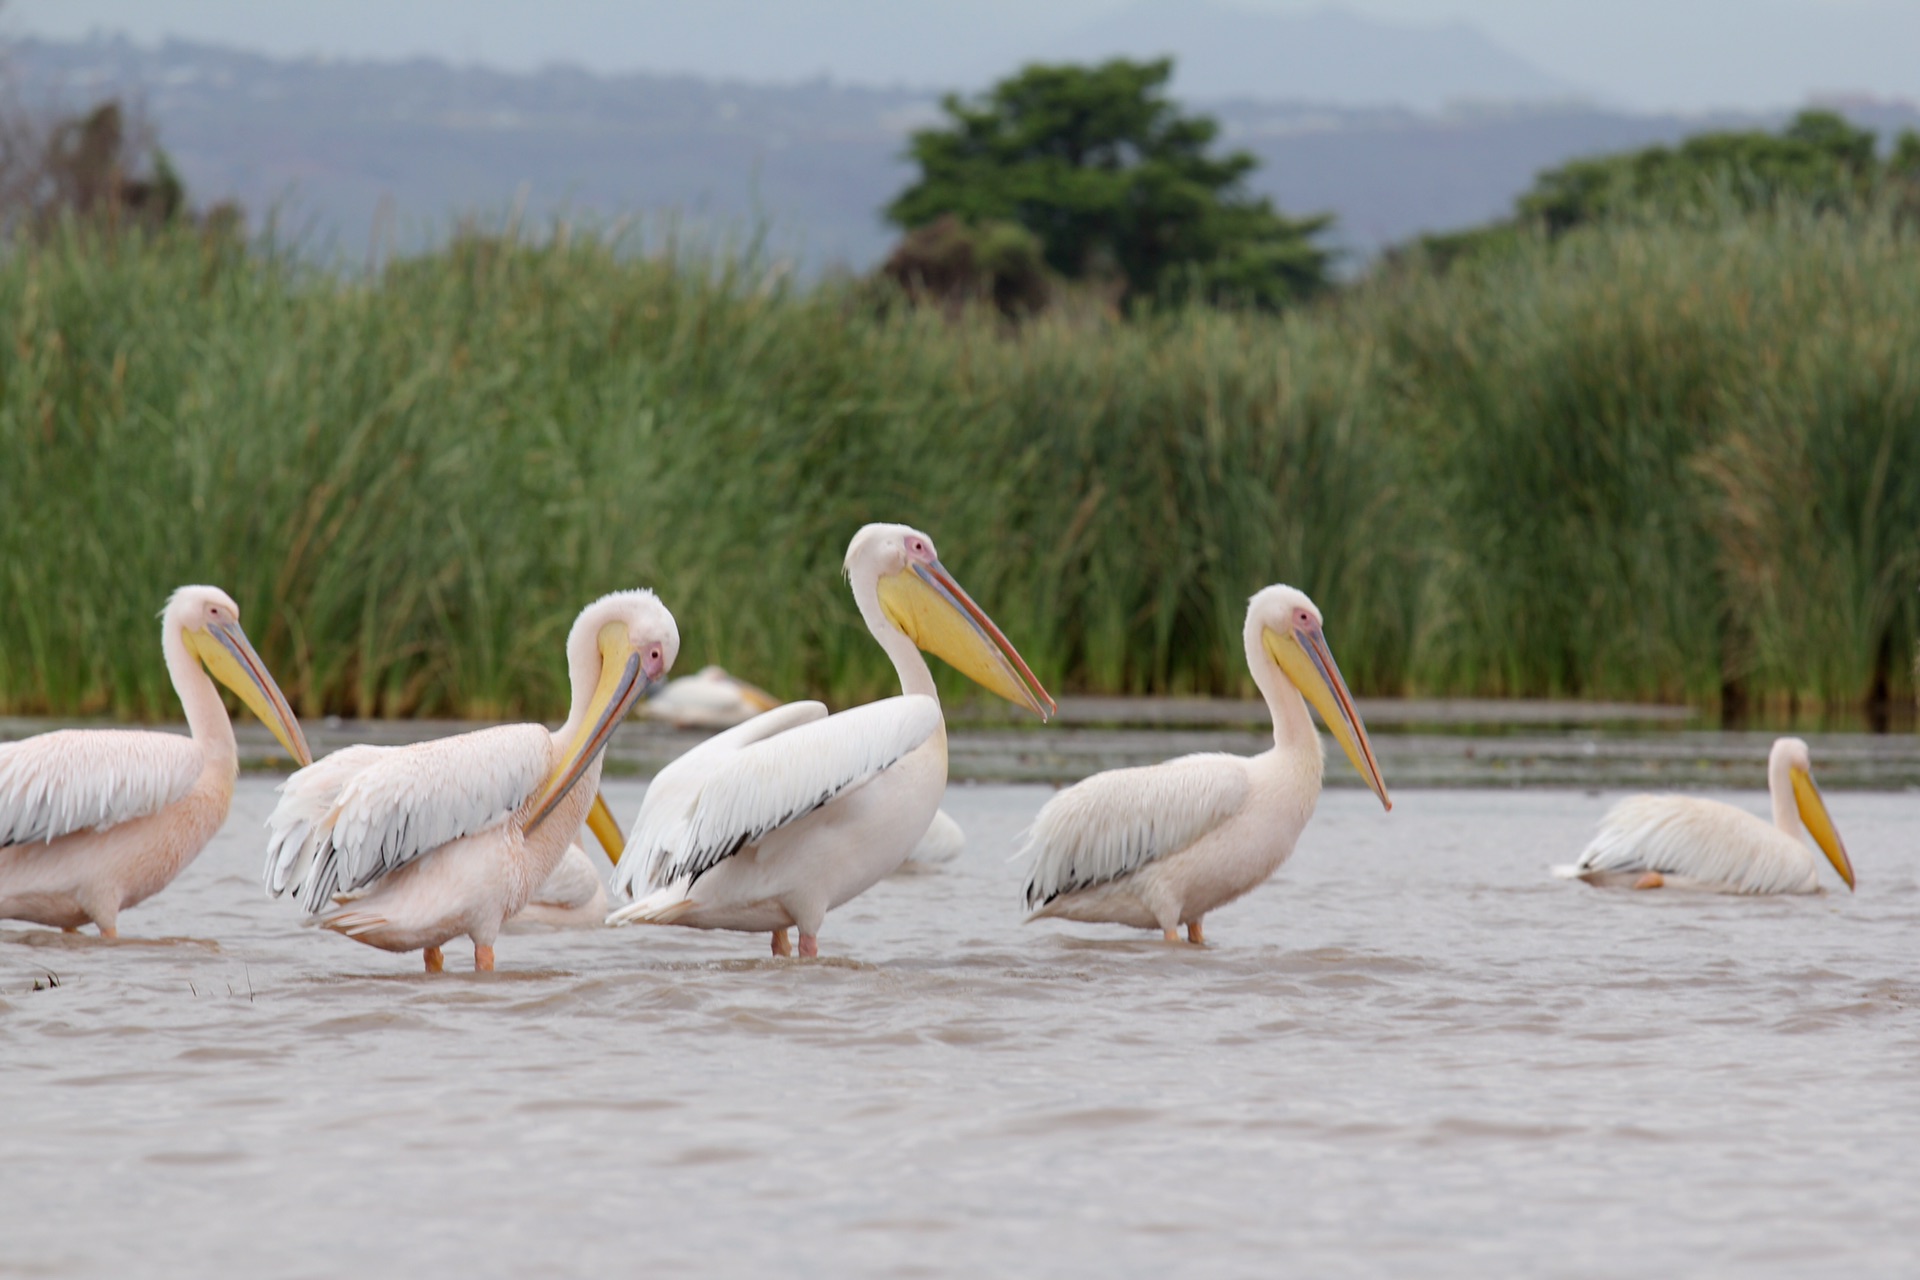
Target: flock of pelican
x=767 y=826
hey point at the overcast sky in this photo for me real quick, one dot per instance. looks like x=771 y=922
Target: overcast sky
x=1648 y=54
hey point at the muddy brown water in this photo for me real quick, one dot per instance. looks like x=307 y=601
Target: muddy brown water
x=1412 y=1053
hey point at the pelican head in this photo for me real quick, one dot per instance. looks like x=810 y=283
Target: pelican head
x=1288 y=628
x=618 y=647
x=1791 y=759
x=208 y=620
x=921 y=598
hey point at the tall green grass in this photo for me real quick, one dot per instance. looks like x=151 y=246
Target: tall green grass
x=1632 y=463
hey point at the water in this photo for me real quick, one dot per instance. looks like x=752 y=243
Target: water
x=1413 y=1053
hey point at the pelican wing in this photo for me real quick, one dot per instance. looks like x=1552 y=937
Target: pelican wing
x=345 y=821
x=90 y=779
x=1117 y=822
x=733 y=789
x=1699 y=840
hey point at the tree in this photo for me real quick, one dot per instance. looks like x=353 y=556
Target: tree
x=1820 y=161
x=1114 y=180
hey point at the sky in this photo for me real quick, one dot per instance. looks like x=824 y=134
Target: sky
x=1653 y=55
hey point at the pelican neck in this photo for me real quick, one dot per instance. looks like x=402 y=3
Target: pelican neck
x=207 y=718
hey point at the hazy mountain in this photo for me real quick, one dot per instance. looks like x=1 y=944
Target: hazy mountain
x=1329 y=55
x=360 y=152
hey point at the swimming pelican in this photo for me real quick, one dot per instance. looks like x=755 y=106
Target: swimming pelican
x=1686 y=842
x=452 y=837
x=774 y=823
x=93 y=821
x=708 y=699
x=1162 y=845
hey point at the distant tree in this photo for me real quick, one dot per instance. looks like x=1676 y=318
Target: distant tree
x=1114 y=181
x=1819 y=161
x=98 y=167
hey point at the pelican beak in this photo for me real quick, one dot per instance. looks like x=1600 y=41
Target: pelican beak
x=1813 y=812
x=928 y=605
x=230 y=658
x=623 y=682
x=1308 y=662
x=606 y=829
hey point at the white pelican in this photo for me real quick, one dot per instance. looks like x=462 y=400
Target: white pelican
x=451 y=838
x=1162 y=845
x=93 y=821
x=774 y=823
x=1685 y=842
x=708 y=699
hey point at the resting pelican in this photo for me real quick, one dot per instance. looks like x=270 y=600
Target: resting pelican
x=93 y=821
x=1162 y=845
x=451 y=838
x=1685 y=842
x=774 y=823
x=707 y=699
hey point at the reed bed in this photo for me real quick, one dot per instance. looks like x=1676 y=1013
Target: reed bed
x=1637 y=462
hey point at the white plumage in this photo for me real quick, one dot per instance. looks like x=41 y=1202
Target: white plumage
x=1160 y=846
x=772 y=824
x=405 y=848
x=1688 y=842
x=90 y=779
x=1115 y=823
x=730 y=791
x=93 y=821
x=366 y=811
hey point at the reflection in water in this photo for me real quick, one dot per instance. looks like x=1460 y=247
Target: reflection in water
x=1414 y=1051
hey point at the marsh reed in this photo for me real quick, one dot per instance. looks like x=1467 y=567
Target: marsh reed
x=1637 y=462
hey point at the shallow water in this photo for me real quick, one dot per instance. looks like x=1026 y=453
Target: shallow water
x=1412 y=1053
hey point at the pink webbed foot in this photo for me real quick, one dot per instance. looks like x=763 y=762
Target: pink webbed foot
x=809 y=946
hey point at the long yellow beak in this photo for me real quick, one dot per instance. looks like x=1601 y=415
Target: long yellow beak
x=230 y=658
x=1308 y=662
x=606 y=829
x=622 y=683
x=1813 y=812
x=928 y=605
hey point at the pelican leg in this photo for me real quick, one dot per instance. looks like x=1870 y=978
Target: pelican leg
x=436 y=960
x=782 y=944
x=482 y=958
x=1194 y=933
x=1170 y=935
x=1651 y=880
x=809 y=946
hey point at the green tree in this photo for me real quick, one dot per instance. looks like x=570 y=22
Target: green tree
x=1114 y=180
x=1819 y=161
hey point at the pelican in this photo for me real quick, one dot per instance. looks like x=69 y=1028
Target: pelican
x=93 y=821
x=774 y=823
x=708 y=699
x=442 y=839
x=1685 y=842
x=1160 y=846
